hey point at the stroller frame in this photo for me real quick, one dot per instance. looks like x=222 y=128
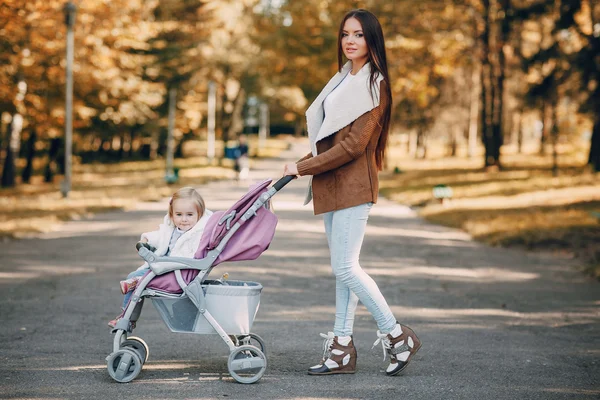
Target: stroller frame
x=247 y=362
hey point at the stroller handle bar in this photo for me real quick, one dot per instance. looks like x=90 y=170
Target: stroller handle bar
x=283 y=181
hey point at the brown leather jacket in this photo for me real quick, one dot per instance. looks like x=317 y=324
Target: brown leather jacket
x=344 y=169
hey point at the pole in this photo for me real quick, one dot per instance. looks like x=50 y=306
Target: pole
x=212 y=109
x=70 y=10
x=170 y=139
x=263 y=129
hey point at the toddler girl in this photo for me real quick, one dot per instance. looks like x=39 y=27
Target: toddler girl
x=178 y=236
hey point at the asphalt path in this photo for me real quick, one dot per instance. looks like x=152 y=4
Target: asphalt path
x=495 y=323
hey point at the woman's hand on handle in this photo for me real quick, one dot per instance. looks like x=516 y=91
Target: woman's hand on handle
x=290 y=169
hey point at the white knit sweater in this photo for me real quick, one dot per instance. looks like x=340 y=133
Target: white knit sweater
x=185 y=246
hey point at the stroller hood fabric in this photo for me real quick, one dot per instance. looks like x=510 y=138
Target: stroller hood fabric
x=248 y=242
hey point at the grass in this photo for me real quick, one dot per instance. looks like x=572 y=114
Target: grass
x=29 y=209
x=521 y=205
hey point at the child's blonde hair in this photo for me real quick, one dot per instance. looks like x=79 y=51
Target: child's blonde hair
x=188 y=193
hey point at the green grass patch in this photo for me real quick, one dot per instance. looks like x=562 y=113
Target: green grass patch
x=523 y=205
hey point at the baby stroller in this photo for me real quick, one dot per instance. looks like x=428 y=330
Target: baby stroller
x=188 y=302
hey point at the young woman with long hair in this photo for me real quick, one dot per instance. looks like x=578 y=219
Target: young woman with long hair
x=348 y=126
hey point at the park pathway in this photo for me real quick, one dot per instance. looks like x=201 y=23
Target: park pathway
x=495 y=323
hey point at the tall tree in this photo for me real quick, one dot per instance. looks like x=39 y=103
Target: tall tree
x=494 y=27
x=572 y=59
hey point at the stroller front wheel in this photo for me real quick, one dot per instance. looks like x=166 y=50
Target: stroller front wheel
x=247 y=364
x=124 y=365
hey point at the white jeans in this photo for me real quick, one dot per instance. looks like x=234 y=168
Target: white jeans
x=345 y=231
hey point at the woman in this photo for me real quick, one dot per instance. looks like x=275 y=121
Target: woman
x=348 y=127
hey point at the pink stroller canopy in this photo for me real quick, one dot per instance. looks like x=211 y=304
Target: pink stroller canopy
x=248 y=242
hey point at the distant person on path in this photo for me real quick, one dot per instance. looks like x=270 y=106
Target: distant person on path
x=242 y=163
x=178 y=236
x=348 y=127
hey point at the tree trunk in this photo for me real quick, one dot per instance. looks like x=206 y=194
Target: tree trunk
x=519 y=132
x=594 y=156
x=421 y=143
x=154 y=144
x=120 y=150
x=485 y=110
x=12 y=150
x=179 y=146
x=131 y=143
x=50 y=169
x=3 y=132
x=554 y=137
x=546 y=115
x=501 y=10
x=8 y=172
x=27 y=171
x=413 y=138
x=223 y=116
x=236 y=123
x=474 y=110
x=487 y=87
x=453 y=141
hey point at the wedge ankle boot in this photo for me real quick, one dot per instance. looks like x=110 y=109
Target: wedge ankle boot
x=400 y=347
x=337 y=358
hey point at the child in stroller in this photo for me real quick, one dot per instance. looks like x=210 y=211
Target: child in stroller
x=189 y=303
x=178 y=236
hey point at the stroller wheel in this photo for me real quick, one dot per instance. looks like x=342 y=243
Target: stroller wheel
x=247 y=364
x=124 y=365
x=253 y=340
x=137 y=344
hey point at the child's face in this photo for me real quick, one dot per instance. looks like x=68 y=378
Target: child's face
x=185 y=214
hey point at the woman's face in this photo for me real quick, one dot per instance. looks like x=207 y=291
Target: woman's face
x=354 y=44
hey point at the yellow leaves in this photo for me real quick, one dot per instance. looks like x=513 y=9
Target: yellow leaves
x=85 y=112
x=289 y=97
x=302 y=61
x=152 y=72
x=404 y=43
x=160 y=44
x=127 y=61
x=35 y=100
x=194 y=117
x=443 y=70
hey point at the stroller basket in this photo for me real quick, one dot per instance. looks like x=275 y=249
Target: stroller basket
x=233 y=304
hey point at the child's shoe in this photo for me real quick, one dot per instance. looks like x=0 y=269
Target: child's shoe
x=129 y=285
x=339 y=356
x=113 y=323
x=400 y=344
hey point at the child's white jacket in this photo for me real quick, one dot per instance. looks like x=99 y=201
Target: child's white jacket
x=185 y=246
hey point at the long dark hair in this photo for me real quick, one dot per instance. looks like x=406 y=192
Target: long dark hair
x=377 y=57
